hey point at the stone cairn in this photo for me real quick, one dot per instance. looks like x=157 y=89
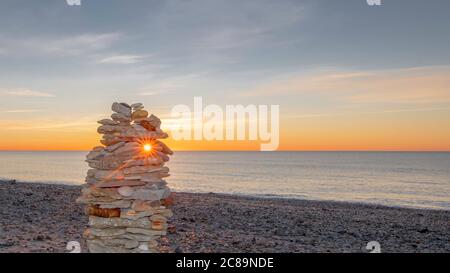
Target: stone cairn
x=127 y=199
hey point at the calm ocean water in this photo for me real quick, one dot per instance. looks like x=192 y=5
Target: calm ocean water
x=389 y=178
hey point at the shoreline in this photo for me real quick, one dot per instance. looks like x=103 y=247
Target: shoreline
x=250 y=196
x=38 y=217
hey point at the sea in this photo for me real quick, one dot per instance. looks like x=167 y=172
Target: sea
x=399 y=179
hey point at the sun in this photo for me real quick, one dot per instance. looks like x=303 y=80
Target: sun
x=147 y=147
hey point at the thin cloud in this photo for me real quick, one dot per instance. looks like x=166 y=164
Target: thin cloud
x=81 y=123
x=27 y=93
x=83 y=42
x=122 y=59
x=18 y=111
x=50 y=126
x=151 y=93
x=66 y=46
x=230 y=38
x=169 y=84
x=410 y=85
x=391 y=111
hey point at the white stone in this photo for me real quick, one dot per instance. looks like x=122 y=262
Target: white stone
x=154 y=120
x=133 y=177
x=98 y=148
x=139 y=128
x=141 y=238
x=114 y=147
x=158 y=217
x=91 y=172
x=140 y=205
x=100 y=192
x=164 y=148
x=143 y=247
x=151 y=179
x=121 y=117
x=116 y=204
x=132 y=147
x=121 y=109
x=125 y=191
x=148 y=232
x=100 y=222
x=144 y=162
x=144 y=169
x=120 y=183
x=104 y=232
x=136 y=105
x=97 y=246
x=151 y=195
x=94 y=155
x=107 y=122
x=108 y=129
x=134 y=215
x=131 y=244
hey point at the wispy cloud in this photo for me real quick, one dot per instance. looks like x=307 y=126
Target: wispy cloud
x=27 y=93
x=50 y=125
x=82 y=43
x=66 y=46
x=82 y=123
x=170 y=84
x=18 y=111
x=122 y=59
x=151 y=93
x=410 y=85
x=244 y=24
x=390 y=111
x=156 y=89
x=229 y=38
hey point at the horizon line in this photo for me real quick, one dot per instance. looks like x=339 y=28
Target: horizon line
x=382 y=151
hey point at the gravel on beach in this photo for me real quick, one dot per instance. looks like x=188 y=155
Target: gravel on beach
x=44 y=217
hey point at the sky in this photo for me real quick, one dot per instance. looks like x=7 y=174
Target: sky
x=346 y=75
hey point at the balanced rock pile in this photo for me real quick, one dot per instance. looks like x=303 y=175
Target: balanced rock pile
x=127 y=199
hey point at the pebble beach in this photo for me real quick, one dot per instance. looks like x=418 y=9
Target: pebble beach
x=44 y=217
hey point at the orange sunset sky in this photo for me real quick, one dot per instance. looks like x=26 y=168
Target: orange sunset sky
x=377 y=82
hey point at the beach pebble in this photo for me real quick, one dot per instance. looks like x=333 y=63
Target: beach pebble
x=219 y=220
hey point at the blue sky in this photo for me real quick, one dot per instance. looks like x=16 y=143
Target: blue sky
x=314 y=58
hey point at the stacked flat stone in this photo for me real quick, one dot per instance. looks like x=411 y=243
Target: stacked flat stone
x=126 y=196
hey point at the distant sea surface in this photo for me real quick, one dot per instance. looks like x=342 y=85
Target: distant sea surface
x=404 y=179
